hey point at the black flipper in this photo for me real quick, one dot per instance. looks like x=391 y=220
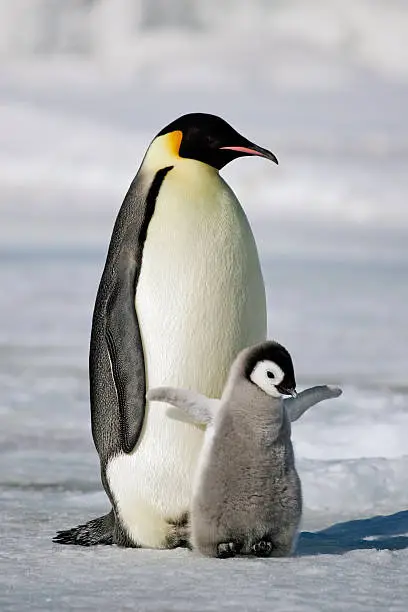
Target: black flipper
x=97 y=531
x=116 y=360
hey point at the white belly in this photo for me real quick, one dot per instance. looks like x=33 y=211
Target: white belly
x=200 y=300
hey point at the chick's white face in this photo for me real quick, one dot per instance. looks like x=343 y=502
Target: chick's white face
x=267 y=375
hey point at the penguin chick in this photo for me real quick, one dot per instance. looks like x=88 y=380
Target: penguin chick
x=247 y=494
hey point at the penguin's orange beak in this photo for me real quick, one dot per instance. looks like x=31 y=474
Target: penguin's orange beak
x=254 y=150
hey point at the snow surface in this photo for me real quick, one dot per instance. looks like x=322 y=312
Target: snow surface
x=84 y=87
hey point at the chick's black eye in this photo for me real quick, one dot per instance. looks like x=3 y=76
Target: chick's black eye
x=270 y=374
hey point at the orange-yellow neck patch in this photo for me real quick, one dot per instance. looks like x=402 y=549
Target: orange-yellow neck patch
x=173 y=142
x=163 y=151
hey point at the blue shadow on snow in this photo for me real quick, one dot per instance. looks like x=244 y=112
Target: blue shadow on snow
x=377 y=533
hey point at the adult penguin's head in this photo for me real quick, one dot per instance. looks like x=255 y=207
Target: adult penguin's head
x=209 y=139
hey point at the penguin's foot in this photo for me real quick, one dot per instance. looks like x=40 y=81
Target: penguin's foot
x=263 y=548
x=97 y=531
x=179 y=534
x=226 y=550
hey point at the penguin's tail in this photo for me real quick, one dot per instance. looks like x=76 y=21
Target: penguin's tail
x=97 y=531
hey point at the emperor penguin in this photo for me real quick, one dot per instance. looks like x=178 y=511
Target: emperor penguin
x=246 y=491
x=181 y=294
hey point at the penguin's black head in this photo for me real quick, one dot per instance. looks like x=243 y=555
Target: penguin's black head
x=269 y=366
x=211 y=140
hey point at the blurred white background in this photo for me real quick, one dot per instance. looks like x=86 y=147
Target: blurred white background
x=85 y=85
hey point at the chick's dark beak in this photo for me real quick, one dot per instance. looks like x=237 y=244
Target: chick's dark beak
x=253 y=149
x=285 y=391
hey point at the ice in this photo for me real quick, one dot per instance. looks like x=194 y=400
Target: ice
x=351 y=457
x=84 y=87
